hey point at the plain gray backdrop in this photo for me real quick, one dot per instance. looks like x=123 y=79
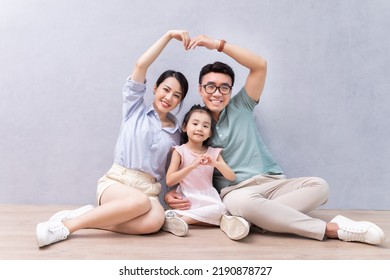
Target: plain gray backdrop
x=324 y=110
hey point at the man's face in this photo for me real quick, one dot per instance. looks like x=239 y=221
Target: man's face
x=216 y=101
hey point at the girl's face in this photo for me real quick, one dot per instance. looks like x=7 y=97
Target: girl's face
x=198 y=127
x=167 y=95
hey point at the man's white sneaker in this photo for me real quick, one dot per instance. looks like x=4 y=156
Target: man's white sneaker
x=70 y=214
x=174 y=224
x=234 y=227
x=361 y=231
x=50 y=232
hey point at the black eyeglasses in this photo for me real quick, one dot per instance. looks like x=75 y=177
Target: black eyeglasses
x=223 y=89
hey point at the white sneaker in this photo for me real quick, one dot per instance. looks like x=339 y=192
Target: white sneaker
x=174 y=224
x=70 y=214
x=234 y=227
x=361 y=231
x=50 y=232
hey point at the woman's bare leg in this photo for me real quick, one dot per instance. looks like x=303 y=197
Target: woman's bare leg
x=119 y=205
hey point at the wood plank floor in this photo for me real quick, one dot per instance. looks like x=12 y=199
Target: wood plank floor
x=18 y=241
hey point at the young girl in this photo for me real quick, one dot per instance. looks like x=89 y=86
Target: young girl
x=192 y=167
x=127 y=195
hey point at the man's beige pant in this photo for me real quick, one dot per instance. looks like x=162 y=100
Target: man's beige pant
x=277 y=204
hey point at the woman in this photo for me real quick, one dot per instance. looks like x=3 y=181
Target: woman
x=127 y=194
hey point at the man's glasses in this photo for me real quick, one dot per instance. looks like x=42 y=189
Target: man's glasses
x=223 y=89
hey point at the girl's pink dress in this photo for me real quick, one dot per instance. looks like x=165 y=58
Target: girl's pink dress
x=197 y=187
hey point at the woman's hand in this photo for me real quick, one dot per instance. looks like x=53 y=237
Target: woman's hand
x=181 y=35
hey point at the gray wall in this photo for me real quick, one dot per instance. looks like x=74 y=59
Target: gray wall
x=324 y=111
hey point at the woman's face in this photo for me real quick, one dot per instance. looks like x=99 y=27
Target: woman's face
x=167 y=95
x=216 y=101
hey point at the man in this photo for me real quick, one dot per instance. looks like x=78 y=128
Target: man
x=261 y=194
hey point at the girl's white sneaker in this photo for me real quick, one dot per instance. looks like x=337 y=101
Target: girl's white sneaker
x=174 y=224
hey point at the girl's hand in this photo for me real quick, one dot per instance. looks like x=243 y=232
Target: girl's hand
x=197 y=162
x=206 y=159
x=181 y=35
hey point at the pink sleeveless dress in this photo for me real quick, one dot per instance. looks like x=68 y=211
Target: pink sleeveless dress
x=197 y=187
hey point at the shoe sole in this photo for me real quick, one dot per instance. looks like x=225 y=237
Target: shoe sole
x=235 y=228
x=75 y=213
x=176 y=226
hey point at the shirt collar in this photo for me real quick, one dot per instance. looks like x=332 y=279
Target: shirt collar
x=150 y=110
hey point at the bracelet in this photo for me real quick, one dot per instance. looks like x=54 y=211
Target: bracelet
x=221 y=45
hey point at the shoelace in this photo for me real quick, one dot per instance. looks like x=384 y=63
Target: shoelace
x=58 y=232
x=352 y=234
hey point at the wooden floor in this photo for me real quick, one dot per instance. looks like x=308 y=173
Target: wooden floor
x=18 y=241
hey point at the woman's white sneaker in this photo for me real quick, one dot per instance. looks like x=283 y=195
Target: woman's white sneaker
x=50 y=232
x=361 y=231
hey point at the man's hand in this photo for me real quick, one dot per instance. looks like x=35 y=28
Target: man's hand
x=203 y=41
x=176 y=201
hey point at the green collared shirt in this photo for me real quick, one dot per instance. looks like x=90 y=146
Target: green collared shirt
x=243 y=148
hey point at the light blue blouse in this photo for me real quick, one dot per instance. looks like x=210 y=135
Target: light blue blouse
x=143 y=144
